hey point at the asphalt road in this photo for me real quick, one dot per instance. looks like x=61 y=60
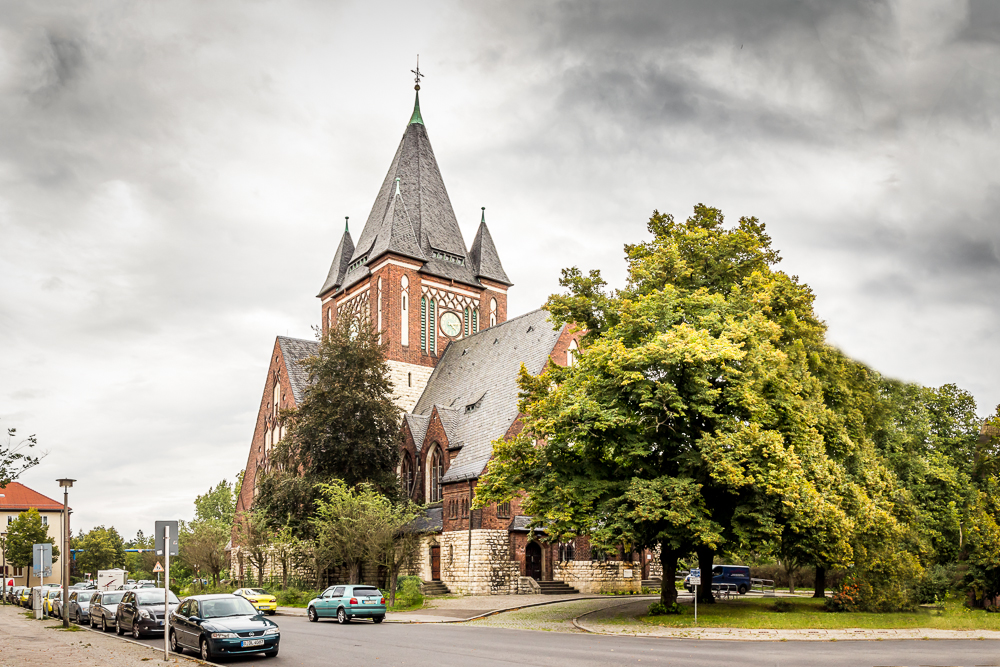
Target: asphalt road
x=363 y=643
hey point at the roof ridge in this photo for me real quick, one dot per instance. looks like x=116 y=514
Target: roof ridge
x=302 y=340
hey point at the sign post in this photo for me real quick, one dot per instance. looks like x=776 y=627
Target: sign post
x=166 y=546
x=695 y=582
x=42 y=565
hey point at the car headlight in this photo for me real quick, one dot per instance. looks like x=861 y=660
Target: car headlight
x=224 y=635
x=272 y=631
x=143 y=613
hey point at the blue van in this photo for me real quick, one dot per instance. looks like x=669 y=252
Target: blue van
x=737 y=575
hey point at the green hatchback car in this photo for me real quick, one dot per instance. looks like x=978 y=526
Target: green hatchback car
x=347 y=602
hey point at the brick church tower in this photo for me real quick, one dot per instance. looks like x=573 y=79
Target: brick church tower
x=410 y=273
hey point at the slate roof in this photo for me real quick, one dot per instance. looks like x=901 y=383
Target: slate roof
x=418 y=427
x=341 y=260
x=294 y=350
x=431 y=522
x=482 y=370
x=484 y=258
x=519 y=524
x=419 y=220
x=16 y=496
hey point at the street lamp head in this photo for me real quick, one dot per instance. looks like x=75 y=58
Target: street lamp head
x=68 y=483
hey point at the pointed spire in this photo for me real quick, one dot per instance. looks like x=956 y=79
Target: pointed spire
x=341 y=260
x=415 y=119
x=483 y=255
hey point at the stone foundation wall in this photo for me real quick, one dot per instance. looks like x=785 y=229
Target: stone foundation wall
x=492 y=571
x=599 y=577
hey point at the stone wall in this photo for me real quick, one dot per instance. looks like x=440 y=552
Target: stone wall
x=408 y=382
x=599 y=576
x=492 y=571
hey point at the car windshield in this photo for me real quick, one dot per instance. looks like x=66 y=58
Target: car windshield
x=112 y=598
x=55 y=594
x=256 y=591
x=153 y=596
x=84 y=597
x=234 y=606
x=366 y=592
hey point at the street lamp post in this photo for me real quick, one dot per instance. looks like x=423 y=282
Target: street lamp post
x=66 y=485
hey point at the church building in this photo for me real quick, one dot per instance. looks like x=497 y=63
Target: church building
x=440 y=308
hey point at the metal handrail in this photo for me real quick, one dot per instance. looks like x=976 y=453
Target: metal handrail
x=766 y=586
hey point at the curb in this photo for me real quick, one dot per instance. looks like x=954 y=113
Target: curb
x=183 y=656
x=524 y=606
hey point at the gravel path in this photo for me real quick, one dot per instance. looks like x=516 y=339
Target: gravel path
x=27 y=642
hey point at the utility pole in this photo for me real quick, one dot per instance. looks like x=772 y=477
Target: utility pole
x=66 y=484
x=3 y=548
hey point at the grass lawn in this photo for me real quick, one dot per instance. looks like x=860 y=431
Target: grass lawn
x=808 y=613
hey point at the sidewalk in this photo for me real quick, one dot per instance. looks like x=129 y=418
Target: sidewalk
x=26 y=642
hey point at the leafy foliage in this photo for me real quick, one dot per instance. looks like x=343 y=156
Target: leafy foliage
x=15 y=457
x=103 y=548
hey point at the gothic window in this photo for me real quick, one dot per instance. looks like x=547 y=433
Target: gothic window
x=468 y=323
x=404 y=314
x=435 y=471
x=503 y=510
x=465 y=508
x=475 y=320
x=329 y=317
x=567 y=551
x=406 y=475
x=571 y=353
x=423 y=323
x=493 y=312
x=379 y=315
x=432 y=327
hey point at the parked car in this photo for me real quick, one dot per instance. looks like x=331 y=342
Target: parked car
x=260 y=599
x=51 y=596
x=79 y=605
x=348 y=602
x=14 y=594
x=103 y=607
x=736 y=575
x=221 y=625
x=141 y=611
x=25 y=597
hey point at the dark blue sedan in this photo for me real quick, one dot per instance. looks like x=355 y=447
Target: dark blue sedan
x=221 y=625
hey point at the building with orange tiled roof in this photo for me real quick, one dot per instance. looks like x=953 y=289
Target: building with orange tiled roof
x=16 y=498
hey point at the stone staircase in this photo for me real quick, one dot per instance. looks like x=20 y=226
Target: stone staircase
x=652 y=583
x=435 y=588
x=556 y=588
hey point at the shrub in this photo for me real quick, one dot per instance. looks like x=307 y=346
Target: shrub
x=408 y=592
x=660 y=609
x=781 y=606
x=935 y=584
x=846 y=599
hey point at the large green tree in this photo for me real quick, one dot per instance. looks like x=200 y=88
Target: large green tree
x=101 y=549
x=23 y=533
x=692 y=418
x=346 y=428
x=217 y=504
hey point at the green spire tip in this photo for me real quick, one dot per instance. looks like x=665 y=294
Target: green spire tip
x=415 y=118
x=347 y=226
x=484 y=216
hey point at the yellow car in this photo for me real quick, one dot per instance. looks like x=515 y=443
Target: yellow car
x=51 y=596
x=26 y=597
x=260 y=599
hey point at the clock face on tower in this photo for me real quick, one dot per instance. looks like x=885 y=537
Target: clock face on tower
x=451 y=325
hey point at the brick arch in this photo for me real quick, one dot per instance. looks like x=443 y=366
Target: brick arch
x=434 y=466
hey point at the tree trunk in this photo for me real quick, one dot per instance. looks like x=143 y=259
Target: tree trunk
x=284 y=575
x=668 y=565
x=706 y=558
x=355 y=573
x=820 y=587
x=393 y=579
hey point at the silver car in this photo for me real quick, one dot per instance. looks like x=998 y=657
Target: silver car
x=79 y=606
x=102 y=609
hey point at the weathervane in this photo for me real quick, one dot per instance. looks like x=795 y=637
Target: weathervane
x=417 y=74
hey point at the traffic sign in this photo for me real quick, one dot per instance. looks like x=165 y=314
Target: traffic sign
x=42 y=559
x=695 y=577
x=160 y=537
x=158 y=568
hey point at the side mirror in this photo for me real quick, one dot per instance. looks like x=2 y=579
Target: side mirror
x=195 y=619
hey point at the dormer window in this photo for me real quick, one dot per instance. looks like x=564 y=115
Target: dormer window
x=571 y=353
x=448 y=257
x=356 y=263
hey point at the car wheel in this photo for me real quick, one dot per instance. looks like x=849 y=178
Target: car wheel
x=342 y=616
x=206 y=652
x=174 y=646
x=743 y=589
x=311 y=613
x=104 y=624
x=378 y=619
x=119 y=630
x=135 y=631
x=271 y=654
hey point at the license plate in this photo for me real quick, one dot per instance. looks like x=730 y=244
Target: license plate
x=252 y=642
x=159 y=622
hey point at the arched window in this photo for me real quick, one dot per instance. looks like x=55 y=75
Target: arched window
x=465 y=508
x=404 y=311
x=378 y=317
x=503 y=510
x=406 y=475
x=435 y=471
x=423 y=323
x=493 y=312
x=571 y=353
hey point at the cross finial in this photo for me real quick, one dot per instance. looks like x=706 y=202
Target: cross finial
x=347 y=226
x=417 y=74
x=484 y=216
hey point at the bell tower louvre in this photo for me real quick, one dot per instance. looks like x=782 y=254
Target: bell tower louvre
x=410 y=274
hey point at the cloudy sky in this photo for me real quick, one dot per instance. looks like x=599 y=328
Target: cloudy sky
x=174 y=177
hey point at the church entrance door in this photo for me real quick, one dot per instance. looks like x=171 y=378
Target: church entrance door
x=533 y=561
x=435 y=563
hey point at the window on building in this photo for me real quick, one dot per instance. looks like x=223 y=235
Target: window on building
x=465 y=508
x=567 y=551
x=404 y=314
x=435 y=472
x=493 y=312
x=503 y=510
x=18 y=571
x=467 y=321
x=571 y=353
x=423 y=323
x=432 y=327
x=378 y=316
x=475 y=320
x=10 y=519
x=406 y=474
x=45 y=520
x=409 y=379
